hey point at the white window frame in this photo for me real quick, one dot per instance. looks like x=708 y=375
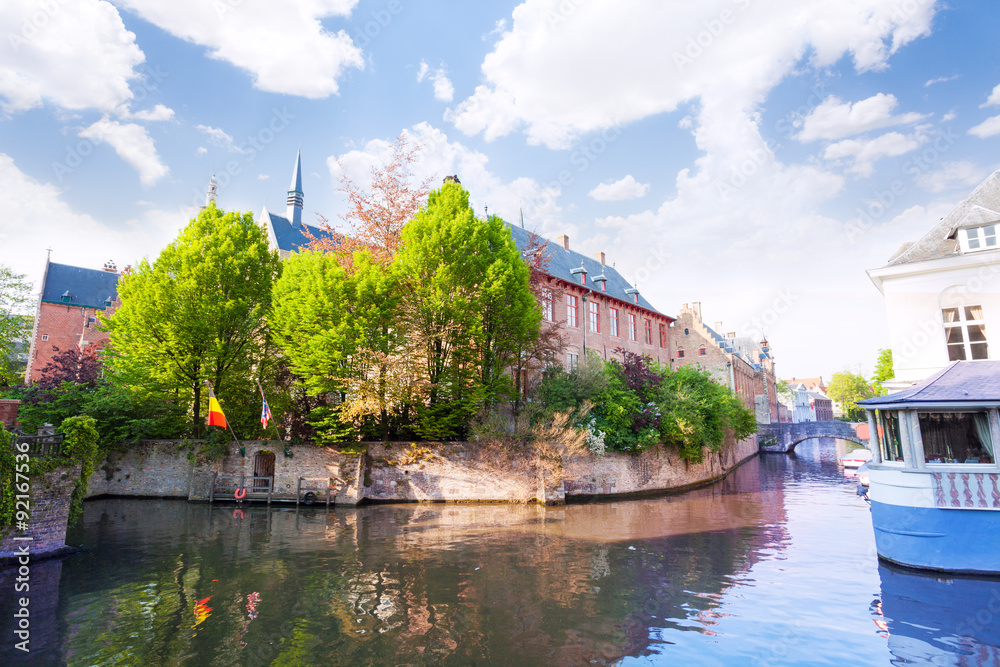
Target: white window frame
x=976 y=239
x=962 y=324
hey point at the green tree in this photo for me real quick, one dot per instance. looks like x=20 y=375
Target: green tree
x=847 y=389
x=15 y=323
x=338 y=329
x=468 y=308
x=199 y=312
x=883 y=371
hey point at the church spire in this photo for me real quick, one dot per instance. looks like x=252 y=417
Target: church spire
x=294 y=210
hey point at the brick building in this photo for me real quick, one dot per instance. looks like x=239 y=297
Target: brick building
x=740 y=363
x=66 y=315
x=593 y=305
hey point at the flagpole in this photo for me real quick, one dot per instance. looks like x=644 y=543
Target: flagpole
x=276 y=432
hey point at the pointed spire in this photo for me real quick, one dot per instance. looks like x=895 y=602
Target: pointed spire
x=294 y=209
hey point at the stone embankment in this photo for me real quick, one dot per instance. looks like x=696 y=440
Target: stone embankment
x=405 y=472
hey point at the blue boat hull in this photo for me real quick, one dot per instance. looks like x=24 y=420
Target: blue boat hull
x=950 y=540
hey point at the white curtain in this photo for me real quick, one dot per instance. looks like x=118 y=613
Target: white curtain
x=983 y=431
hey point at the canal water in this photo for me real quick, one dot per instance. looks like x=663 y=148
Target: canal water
x=775 y=565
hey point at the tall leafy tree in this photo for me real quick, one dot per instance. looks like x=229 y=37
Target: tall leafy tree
x=15 y=323
x=468 y=309
x=338 y=330
x=847 y=389
x=199 y=312
x=883 y=371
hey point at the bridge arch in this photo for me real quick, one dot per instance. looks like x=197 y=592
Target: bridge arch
x=785 y=437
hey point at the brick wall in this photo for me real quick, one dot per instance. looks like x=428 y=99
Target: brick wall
x=8 y=412
x=603 y=340
x=50 y=498
x=62 y=326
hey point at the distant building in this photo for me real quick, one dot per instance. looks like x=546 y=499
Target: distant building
x=817 y=386
x=286 y=233
x=595 y=308
x=739 y=362
x=942 y=292
x=66 y=315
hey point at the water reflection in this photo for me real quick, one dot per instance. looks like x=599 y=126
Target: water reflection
x=939 y=619
x=767 y=567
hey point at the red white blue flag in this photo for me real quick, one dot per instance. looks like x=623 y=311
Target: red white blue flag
x=265 y=410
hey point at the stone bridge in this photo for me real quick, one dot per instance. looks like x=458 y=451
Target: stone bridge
x=784 y=437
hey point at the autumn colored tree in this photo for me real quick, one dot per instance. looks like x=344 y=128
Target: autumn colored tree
x=376 y=215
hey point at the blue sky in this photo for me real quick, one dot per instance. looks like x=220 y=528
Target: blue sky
x=754 y=155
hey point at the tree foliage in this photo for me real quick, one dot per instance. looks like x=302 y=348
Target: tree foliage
x=199 y=312
x=376 y=214
x=15 y=323
x=883 y=371
x=636 y=403
x=847 y=389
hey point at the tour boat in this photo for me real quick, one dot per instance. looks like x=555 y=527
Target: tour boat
x=934 y=482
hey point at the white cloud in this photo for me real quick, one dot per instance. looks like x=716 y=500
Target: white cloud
x=988 y=128
x=76 y=55
x=620 y=190
x=201 y=150
x=865 y=152
x=834 y=119
x=440 y=157
x=133 y=144
x=218 y=137
x=157 y=113
x=940 y=79
x=285 y=48
x=263 y=177
x=994 y=98
x=951 y=175
x=555 y=74
x=35 y=217
x=444 y=91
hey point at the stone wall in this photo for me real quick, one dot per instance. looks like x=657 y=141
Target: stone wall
x=404 y=472
x=651 y=471
x=50 y=501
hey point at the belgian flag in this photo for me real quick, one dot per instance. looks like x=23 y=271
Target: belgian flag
x=215 y=415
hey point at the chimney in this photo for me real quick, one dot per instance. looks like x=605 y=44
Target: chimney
x=718 y=327
x=599 y=256
x=696 y=309
x=110 y=267
x=564 y=240
x=731 y=334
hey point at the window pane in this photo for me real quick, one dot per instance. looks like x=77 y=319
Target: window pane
x=950 y=315
x=956 y=352
x=954 y=335
x=888 y=436
x=979 y=351
x=955 y=437
x=990 y=235
x=973 y=236
x=973 y=312
x=977 y=333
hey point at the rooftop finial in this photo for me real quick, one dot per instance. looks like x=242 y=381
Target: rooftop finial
x=213 y=191
x=294 y=203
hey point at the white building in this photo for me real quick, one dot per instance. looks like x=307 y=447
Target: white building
x=942 y=292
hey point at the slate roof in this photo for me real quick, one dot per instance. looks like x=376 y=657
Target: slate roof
x=562 y=262
x=961 y=382
x=289 y=237
x=980 y=207
x=87 y=287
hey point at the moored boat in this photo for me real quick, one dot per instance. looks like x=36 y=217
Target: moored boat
x=934 y=482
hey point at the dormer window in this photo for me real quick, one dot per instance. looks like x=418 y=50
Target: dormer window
x=979 y=238
x=67 y=297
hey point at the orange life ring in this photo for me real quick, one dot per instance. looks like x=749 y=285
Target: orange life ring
x=240 y=494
